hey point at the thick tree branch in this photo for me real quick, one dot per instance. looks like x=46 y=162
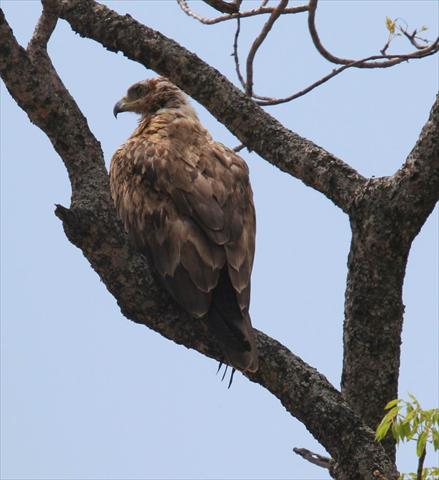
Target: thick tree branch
x=254 y=127
x=388 y=215
x=91 y=224
x=416 y=184
x=43 y=31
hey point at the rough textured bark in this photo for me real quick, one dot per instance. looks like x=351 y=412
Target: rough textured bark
x=386 y=214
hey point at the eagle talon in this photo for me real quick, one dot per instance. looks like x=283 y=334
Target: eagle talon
x=224 y=374
x=231 y=377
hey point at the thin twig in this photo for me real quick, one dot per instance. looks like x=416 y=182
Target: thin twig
x=277 y=12
x=390 y=60
x=261 y=10
x=412 y=37
x=269 y=101
x=421 y=464
x=236 y=54
x=314 y=458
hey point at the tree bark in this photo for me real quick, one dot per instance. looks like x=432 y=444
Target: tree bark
x=91 y=224
x=387 y=216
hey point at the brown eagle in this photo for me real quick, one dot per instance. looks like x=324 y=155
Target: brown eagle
x=186 y=202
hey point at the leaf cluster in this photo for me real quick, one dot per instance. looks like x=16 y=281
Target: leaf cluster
x=427 y=474
x=416 y=424
x=406 y=420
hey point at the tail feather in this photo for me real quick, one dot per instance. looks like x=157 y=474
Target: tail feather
x=231 y=327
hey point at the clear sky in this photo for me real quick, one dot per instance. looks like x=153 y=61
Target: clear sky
x=87 y=394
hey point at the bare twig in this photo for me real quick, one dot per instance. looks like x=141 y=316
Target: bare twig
x=261 y=10
x=269 y=101
x=372 y=61
x=314 y=458
x=413 y=38
x=277 y=12
x=236 y=54
x=380 y=61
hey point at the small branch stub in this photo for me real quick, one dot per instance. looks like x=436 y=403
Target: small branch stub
x=315 y=458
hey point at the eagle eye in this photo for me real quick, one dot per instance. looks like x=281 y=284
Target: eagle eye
x=136 y=91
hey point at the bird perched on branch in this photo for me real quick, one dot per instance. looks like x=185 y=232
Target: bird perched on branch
x=186 y=202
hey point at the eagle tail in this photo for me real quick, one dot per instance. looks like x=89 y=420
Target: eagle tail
x=232 y=328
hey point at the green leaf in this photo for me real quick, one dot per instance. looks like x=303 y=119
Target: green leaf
x=382 y=430
x=409 y=416
x=391 y=414
x=415 y=425
x=396 y=431
x=392 y=403
x=420 y=445
x=435 y=435
x=415 y=401
x=405 y=431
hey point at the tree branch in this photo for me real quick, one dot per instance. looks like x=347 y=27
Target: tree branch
x=236 y=53
x=416 y=183
x=269 y=101
x=91 y=225
x=43 y=30
x=277 y=12
x=421 y=464
x=261 y=10
x=388 y=215
x=315 y=458
x=384 y=61
x=254 y=127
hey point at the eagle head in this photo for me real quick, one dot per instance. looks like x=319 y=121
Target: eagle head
x=148 y=96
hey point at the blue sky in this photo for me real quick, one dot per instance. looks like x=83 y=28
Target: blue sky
x=87 y=394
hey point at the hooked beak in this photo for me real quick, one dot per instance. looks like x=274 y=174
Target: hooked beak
x=121 y=106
